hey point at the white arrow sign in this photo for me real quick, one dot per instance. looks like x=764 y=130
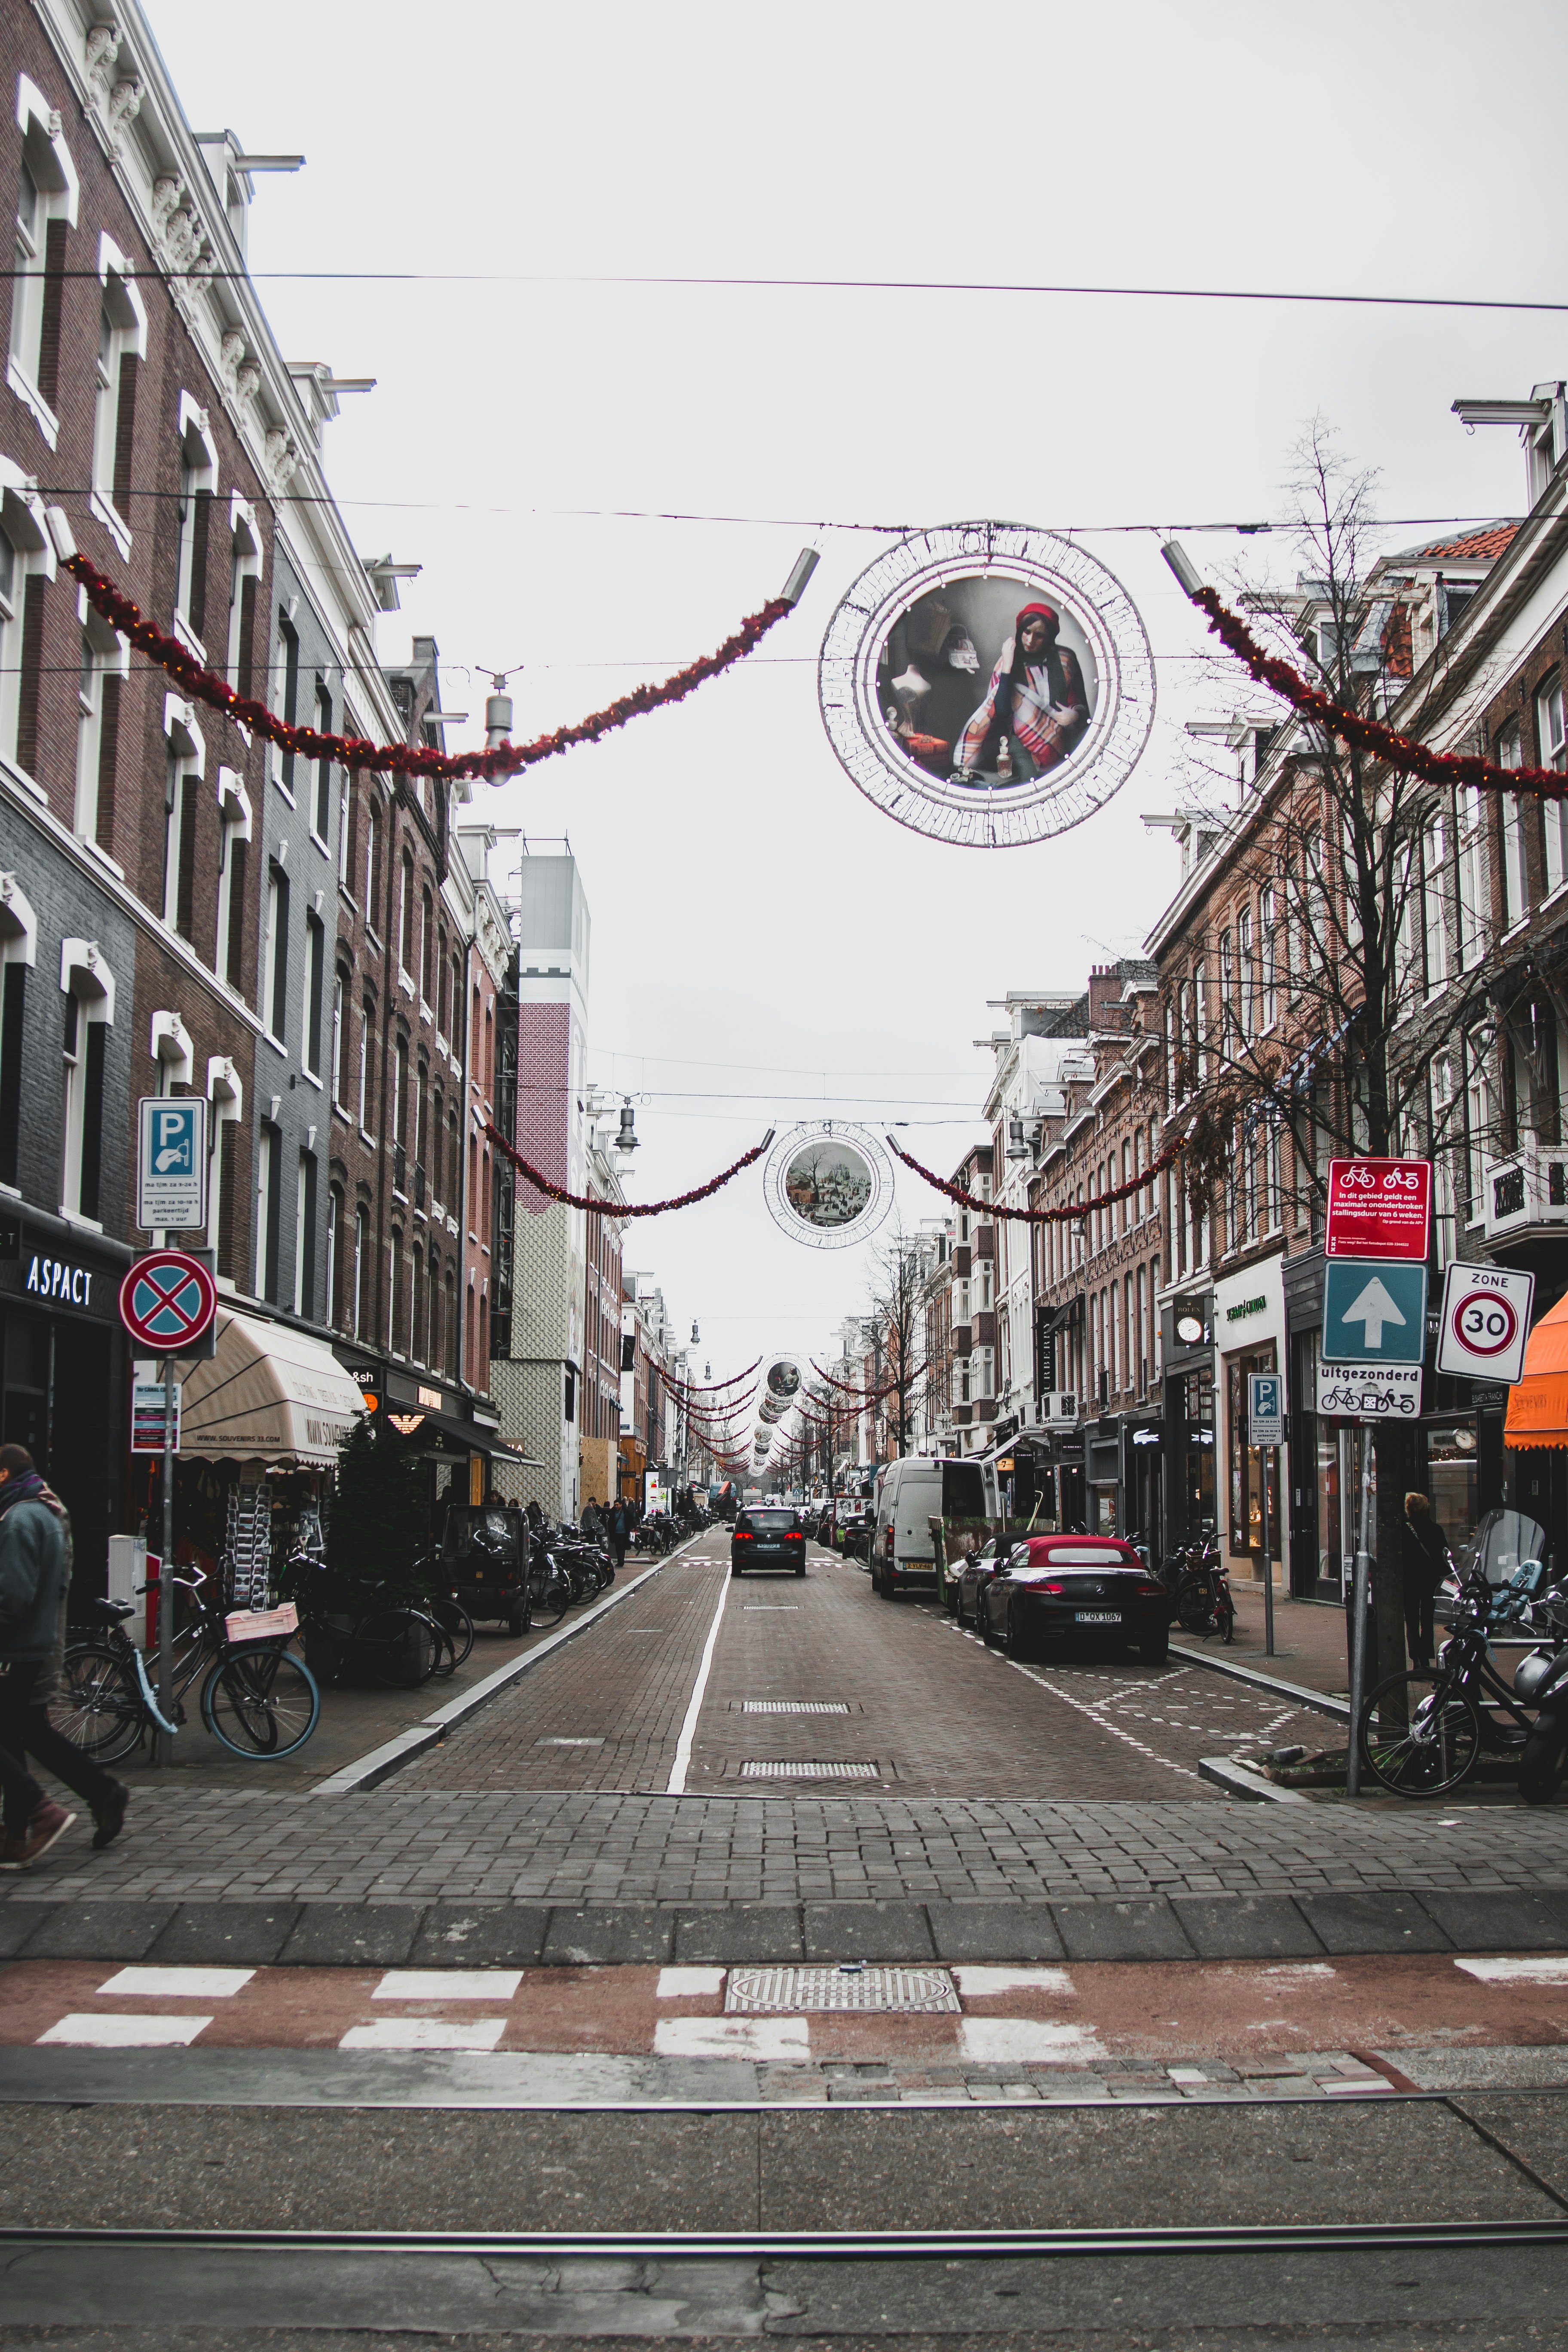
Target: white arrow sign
x=1375 y=1307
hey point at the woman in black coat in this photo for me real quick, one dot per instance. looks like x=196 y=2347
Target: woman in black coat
x=1425 y=1564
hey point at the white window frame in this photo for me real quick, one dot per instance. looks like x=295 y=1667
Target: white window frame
x=105 y=653
x=337 y=1058
x=315 y=973
x=185 y=759
x=1552 y=728
x=1267 y=959
x=124 y=312
x=234 y=816
x=198 y=454
x=1471 y=860
x=273 y=945
x=84 y=976
x=247 y=562
x=1434 y=911
x=226 y=1097
x=48 y=159
x=33 y=551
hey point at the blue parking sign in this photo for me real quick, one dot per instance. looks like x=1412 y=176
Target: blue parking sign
x=171 y=1162
x=1266 y=1408
x=1375 y=1311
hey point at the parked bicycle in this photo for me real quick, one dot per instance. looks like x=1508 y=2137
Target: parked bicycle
x=1201 y=1590
x=1423 y=1733
x=258 y=1700
x=374 y=1632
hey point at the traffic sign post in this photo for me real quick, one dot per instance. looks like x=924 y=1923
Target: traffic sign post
x=1374 y=1312
x=168 y=1303
x=1486 y=1322
x=1378 y=1209
x=171 y=1163
x=1266 y=1428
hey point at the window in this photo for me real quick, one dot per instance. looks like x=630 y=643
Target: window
x=315 y=974
x=1478 y=1119
x=46 y=212
x=366 y=1023
x=490 y=1051
x=1471 y=820
x=269 y=1207
x=244 y=590
x=362 y=1267
x=289 y=679
x=305 y=1237
x=227 y=1176
x=405 y=913
x=334 y=1304
x=26 y=568
x=321 y=815
x=426 y=947
x=338 y=1039
x=198 y=474
x=345 y=816
x=184 y=756
x=1511 y=824
x=372 y=865
x=1226 y=988
x=1244 y=971
x=397 y=1305
x=400 y=1089
x=274 y=959
x=1267 y=950
x=122 y=348
x=1434 y=912
x=104 y=663
x=82 y=1109
x=441 y=984
x=1553 y=731
x=18 y=945
x=417 y=1304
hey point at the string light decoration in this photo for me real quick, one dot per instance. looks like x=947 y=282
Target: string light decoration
x=619 y=1209
x=1402 y=752
x=1074 y=1209
x=487 y=767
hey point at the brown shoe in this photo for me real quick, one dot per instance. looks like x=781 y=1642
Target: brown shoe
x=12 y=1842
x=49 y=1823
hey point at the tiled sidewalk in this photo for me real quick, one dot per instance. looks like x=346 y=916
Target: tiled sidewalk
x=589 y=1847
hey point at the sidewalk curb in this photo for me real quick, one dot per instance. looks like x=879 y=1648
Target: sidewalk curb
x=379 y=1764
x=1338 y=1707
x=1238 y=1781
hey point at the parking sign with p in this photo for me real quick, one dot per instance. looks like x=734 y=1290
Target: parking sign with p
x=171 y=1163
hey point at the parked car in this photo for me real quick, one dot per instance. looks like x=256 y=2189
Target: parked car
x=968 y=1581
x=485 y=1561
x=911 y=1492
x=1056 y=1590
x=768 y=1536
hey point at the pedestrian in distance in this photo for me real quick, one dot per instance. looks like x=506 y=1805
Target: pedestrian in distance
x=618 y=1531
x=1424 y=1563
x=35 y=1581
x=591 y=1523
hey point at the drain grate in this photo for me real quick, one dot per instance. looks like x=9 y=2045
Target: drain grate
x=762 y=1768
x=764 y=1992
x=794 y=1706
x=568 y=1743
x=771 y=1607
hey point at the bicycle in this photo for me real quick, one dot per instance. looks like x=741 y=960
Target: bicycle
x=258 y=1700
x=1422 y=1733
x=390 y=1639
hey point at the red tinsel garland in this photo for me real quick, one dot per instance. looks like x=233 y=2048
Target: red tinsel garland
x=1395 y=750
x=690 y=1389
x=619 y=1209
x=869 y=1396
x=403 y=759
x=1044 y=1216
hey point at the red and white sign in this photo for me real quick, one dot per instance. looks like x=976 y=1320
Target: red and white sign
x=1378 y=1208
x=167 y=1302
x=1486 y=1322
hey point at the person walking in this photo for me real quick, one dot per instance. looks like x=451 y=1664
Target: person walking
x=1424 y=1563
x=616 y=1530
x=35 y=1579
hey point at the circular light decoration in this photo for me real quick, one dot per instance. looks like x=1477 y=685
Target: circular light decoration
x=781 y=1379
x=916 y=664
x=827 y=1184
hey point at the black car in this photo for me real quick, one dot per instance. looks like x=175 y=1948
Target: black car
x=1055 y=1590
x=767 y=1537
x=968 y=1580
x=485 y=1553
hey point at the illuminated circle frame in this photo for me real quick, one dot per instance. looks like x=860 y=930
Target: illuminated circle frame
x=778 y=1166
x=1063 y=573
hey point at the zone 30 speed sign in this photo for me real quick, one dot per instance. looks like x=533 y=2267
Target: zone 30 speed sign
x=1486 y=1321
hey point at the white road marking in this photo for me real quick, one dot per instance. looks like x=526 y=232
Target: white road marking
x=426 y=2033
x=106 y=2032
x=448 y=1984
x=679 y=1984
x=779 y=2041
x=179 y=1984
x=1023 y=2041
x=1547 y=1969
x=1095 y=1715
x=985 y=1982
x=676 y=1786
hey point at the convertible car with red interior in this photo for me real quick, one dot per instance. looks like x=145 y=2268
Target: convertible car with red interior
x=1057 y=1591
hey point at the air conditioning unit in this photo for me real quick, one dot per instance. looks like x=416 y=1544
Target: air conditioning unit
x=1529 y=1188
x=1060 y=1410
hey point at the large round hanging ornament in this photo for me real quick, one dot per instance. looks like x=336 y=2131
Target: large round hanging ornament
x=828 y=1184
x=987 y=684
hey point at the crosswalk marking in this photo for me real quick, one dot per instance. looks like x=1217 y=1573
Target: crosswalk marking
x=448 y=1984
x=178 y=1984
x=106 y=2030
x=426 y=2033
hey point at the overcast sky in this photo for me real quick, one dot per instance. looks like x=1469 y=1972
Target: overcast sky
x=764 y=940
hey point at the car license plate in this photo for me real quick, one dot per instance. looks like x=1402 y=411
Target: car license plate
x=1097 y=1616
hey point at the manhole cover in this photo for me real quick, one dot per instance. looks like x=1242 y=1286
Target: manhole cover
x=759 y=1768
x=775 y=1991
x=794 y=1705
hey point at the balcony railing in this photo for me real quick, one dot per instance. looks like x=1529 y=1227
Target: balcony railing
x=1526 y=1193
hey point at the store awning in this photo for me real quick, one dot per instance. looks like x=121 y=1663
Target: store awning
x=1538 y=1405
x=418 y=1423
x=270 y=1394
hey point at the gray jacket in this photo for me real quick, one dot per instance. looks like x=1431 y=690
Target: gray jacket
x=35 y=1576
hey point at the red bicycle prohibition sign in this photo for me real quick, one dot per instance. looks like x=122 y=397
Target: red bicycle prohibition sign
x=1484 y=1322
x=167 y=1301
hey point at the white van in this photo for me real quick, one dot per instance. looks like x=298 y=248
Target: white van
x=911 y=1492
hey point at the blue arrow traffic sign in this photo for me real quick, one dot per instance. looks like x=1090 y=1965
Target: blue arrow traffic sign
x=1375 y=1311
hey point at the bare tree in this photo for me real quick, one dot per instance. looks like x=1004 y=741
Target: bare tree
x=898 y=1314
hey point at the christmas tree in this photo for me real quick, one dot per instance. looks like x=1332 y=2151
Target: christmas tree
x=379 y=1523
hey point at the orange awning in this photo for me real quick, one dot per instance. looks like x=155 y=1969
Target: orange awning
x=1538 y=1405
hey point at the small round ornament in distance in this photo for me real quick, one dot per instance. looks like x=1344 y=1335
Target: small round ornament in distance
x=987 y=684
x=827 y=1184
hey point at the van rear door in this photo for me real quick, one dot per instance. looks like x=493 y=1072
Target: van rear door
x=919 y=1502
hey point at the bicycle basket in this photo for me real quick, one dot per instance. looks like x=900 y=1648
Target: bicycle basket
x=247 y=1626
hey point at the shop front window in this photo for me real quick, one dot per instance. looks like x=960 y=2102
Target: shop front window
x=1198 y=1414
x=1453 y=1483
x=1247 y=1464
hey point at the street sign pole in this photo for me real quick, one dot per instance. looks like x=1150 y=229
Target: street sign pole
x=1268 y=1564
x=1358 y=1621
x=163 y=1745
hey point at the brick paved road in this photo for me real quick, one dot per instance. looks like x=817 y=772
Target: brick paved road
x=930 y=1709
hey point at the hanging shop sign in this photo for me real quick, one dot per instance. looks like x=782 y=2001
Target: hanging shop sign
x=827 y=1185
x=987 y=684
x=1486 y=1322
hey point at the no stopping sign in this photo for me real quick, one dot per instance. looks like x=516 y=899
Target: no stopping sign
x=1486 y=1321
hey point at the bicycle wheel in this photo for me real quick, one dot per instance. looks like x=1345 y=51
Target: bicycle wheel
x=1195 y=1605
x=261 y=1703
x=445 y=1660
x=551 y=1595
x=1420 y=1733
x=397 y=1646
x=455 y=1620
x=98 y=1707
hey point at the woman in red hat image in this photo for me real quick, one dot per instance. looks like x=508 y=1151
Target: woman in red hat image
x=1035 y=711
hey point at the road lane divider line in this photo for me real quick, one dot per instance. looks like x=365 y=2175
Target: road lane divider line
x=678 y=1770
x=379 y=1763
